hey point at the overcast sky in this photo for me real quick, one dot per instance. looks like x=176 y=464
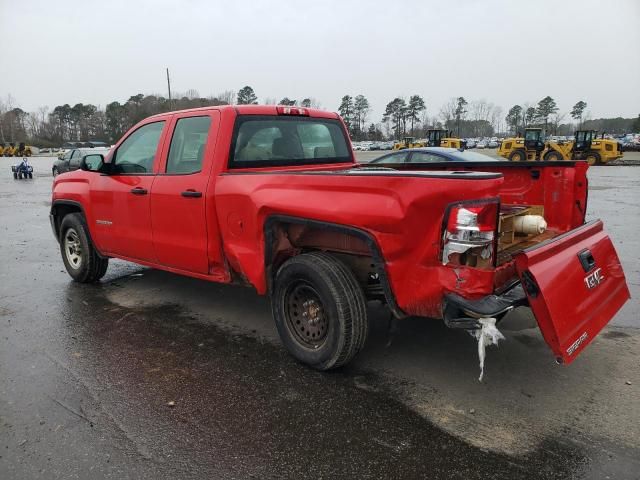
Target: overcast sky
x=506 y=52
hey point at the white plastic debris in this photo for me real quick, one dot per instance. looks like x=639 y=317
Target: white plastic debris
x=487 y=335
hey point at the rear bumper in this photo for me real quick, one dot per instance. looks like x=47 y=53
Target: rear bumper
x=460 y=312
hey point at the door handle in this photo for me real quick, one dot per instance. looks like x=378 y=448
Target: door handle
x=191 y=194
x=139 y=191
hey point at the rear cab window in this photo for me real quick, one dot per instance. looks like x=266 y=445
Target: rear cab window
x=187 y=145
x=263 y=141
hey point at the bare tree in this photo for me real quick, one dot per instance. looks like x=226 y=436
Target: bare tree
x=191 y=94
x=228 y=97
x=448 y=111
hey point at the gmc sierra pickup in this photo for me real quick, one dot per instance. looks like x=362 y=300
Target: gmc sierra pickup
x=272 y=197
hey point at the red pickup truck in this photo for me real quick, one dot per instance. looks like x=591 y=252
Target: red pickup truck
x=272 y=197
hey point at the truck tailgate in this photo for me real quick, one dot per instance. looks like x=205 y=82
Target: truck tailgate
x=575 y=285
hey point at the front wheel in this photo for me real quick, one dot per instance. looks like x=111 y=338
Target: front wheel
x=54 y=172
x=320 y=310
x=80 y=257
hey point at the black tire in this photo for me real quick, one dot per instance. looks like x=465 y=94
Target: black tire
x=90 y=267
x=54 y=172
x=332 y=297
x=552 y=156
x=518 y=155
x=30 y=175
x=593 y=158
x=15 y=176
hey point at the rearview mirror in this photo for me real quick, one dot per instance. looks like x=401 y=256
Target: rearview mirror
x=92 y=163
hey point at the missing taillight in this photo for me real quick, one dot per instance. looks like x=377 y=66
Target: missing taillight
x=470 y=234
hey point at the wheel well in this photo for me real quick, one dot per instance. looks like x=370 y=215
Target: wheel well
x=286 y=237
x=61 y=210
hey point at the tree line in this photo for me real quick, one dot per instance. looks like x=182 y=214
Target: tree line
x=401 y=117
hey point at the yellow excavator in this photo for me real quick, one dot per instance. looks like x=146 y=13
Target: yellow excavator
x=586 y=146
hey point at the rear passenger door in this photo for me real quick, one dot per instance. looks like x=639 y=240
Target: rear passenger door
x=182 y=214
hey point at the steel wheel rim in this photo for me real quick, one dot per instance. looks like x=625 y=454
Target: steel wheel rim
x=591 y=160
x=73 y=248
x=516 y=157
x=306 y=317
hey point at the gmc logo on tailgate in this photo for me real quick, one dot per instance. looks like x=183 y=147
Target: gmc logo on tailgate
x=594 y=279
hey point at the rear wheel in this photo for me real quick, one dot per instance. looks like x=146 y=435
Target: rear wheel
x=518 y=156
x=80 y=257
x=593 y=158
x=30 y=175
x=15 y=176
x=55 y=172
x=320 y=310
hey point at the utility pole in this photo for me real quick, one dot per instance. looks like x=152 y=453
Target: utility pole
x=169 y=87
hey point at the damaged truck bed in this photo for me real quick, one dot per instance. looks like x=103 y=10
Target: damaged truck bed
x=271 y=197
x=567 y=271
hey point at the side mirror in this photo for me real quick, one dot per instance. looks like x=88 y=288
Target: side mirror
x=92 y=163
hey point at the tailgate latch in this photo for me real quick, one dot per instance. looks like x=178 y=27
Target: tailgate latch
x=586 y=260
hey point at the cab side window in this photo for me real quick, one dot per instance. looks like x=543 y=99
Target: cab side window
x=400 y=157
x=425 y=157
x=75 y=158
x=137 y=153
x=187 y=145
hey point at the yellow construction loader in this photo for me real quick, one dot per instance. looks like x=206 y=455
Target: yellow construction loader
x=586 y=146
x=437 y=137
x=9 y=150
x=408 y=142
x=22 y=150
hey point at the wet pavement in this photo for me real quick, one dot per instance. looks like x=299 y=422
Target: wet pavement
x=152 y=375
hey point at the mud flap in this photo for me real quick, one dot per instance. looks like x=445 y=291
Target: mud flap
x=575 y=285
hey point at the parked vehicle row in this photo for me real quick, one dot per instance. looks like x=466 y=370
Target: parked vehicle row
x=368 y=146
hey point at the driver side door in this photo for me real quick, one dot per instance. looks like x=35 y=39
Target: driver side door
x=120 y=198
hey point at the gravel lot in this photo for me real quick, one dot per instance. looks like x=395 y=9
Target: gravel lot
x=87 y=372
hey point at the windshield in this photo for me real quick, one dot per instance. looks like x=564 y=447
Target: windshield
x=533 y=135
x=262 y=141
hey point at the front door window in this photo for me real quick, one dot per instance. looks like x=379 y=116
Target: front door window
x=138 y=152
